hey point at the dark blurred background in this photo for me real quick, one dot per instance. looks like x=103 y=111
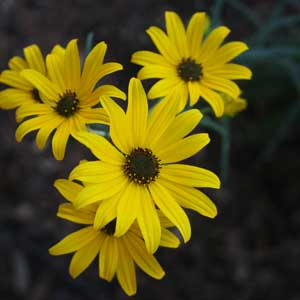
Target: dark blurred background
x=252 y=249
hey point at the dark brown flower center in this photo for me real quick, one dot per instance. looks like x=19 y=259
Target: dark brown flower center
x=36 y=95
x=141 y=166
x=68 y=104
x=189 y=70
x=110 y=228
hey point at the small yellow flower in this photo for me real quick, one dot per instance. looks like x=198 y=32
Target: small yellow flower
x=139 y=172
x=69 y=96
x=117 y=255
x=21 y=91
x=233 y=106
x=193 y=66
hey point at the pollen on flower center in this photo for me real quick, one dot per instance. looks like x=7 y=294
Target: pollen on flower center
x=36 y=95
x=110 y=228
x=141 y=166
x=189 y=70
x=68 y=104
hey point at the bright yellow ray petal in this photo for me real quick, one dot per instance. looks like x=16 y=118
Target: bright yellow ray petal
x=126 y=271
x=191 y=198
x=81 y=216
x=181 y=126
x=214 y=100
x=94 y=116
x=194 y=92
x=168 y=239
x=77 y=124
x=55 y=71
x=100 y=147
x=32 y=110
x=148 y=221
x=35 y=59
x=176 y=33
x=232 y=71
x=164 y=45
x=17 y=63
x=12 y=98
x=119 y=128
x=85 y=256
x=162 y=87
x=212 y=43
x=188 y=146
x=74 y=241
x=45 y=131
x=108 y=259
x=68 y=189
x=95 y=172
x=14 y=79
x=171 y=209
x=44 y=85
x=58 y=50
x=128 y=207
x=142 y=257
x=137 y=112
x=72 y=66
x=98 y=192
x=195 y=32
x=221 y=85
x=154 y=71
x=31 y=125
x=190 y=176
x=60 y=139
x=145 y=58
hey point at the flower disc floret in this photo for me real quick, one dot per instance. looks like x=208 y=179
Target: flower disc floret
x=189 y=70
x=67 y=105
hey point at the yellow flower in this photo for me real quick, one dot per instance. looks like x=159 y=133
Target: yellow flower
x=117 y=255
x=21 y=91
x=68 y=96
x=194 y=66
x=233 y=106
x=139 y=172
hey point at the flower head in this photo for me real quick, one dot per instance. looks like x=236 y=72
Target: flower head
x=233 y=106
x=192 y=65
x=69 y=97
x=117 y=255
x=139 y=172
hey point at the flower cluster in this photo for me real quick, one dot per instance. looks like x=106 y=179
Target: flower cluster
x=137 y=188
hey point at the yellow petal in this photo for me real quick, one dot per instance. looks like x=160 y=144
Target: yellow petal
x=154 y=71
x=142 y=257
x=98 y=192
x=168 y=239
x=43 y=84
x=164 y=45
x=213 y=99
x=189 y=176
x=126 y=271
x=128 y=207
x=195 y=32
x=100 y=147
x=188 y=146
x=81 y=216
x=60 y=139
x=14 y=79
x=68 y=189
x=137 y=112
x=176 y=33
x=163 y=87
x=149 y=222
x=108 y=259
x=35 y=59
x=72 y=66
x=85 y=256
x=74 y=241
x=32 y=110
x=17 y=63
x=94 y=116
x=107 y=211
x=119 y=127
x=55 y=71
x=191 y=198
x=12 y=98
x=194 y=92
x=171 y=209
x=145 y=58
x=232 y=71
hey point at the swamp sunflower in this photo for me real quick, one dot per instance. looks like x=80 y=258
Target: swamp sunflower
x=139 y=171
x=197 y=66
x=70 y=99
x=117 y=255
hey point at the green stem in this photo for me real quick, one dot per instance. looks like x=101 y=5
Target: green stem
x=89 y=43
